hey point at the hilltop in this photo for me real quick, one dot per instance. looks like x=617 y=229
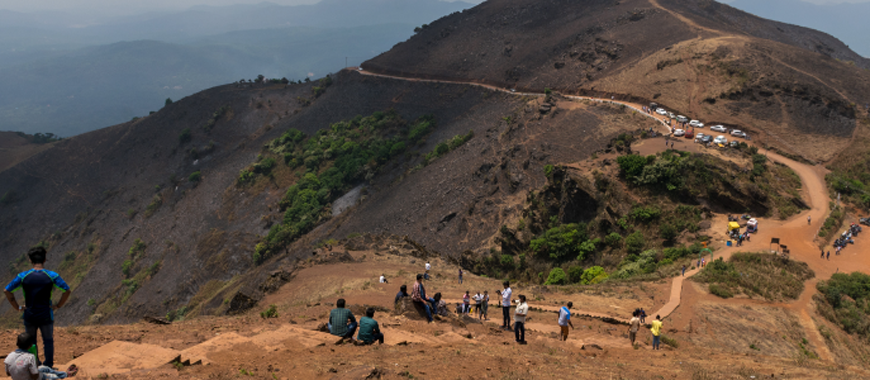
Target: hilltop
x=695 y=57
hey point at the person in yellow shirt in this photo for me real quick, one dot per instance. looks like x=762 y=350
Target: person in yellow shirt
x=656 y=332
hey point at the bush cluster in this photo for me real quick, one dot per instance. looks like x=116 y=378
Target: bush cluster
x=565 y=242
x=846 y=302
x=756 y=274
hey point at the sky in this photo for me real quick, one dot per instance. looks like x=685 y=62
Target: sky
x=135 y=6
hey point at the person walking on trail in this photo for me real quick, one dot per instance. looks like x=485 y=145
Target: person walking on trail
x=684 y=270
x=460 y=275
x=506 y=305
x=565 y=321
x=829 y=255
x=38 y=310
x=809 y=219
x=633 y=326
x=342 y=323
x=485 y=305
x=656 y=330
x=520 y=320
x=418 y=295
x=466 y=303
x=369 y=331
x=823 y=253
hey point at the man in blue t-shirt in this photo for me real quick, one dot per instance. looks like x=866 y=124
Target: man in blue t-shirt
x=37 y=285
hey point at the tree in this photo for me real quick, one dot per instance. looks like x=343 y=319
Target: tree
x=631 y=165
x=168 y=102
x=668 y=232
x=634 y=243
x=593 y=275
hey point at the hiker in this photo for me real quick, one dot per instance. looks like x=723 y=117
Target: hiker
x=520 y=320
x=460 y=275
x=506 y=305
x=418 y=295
x=829 y=255
x=565 y=321
x=38 y=311
x=633 y=326
x=21 y=364
x=341 y=321
x=684 y=270
x=428 y=268
x=477 y=299
x=642 y=315
x=656 y=330
x=466 y=303
x=838 y=250
x=440 y=305
x=809 y=219
x=403 y=292
x=823 y=253
x=369 y=331
x=484 y=305
x=383 y=279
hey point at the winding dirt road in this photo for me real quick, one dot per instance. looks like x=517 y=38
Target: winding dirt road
x=795 y=232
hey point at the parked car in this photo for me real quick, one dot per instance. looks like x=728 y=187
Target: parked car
x=671 y=115
x=653 y=106
x=735 y=144
x=682 y=119
x=679 y=132
x=719 y=128
x=707 y=139
x=696 y=124
x=699 y=137
x=661 y=111
x=738 y=133
x=689 y=134
x=720 y=140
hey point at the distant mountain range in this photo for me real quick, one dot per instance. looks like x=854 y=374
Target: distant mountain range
x=846 y=21
x=68 y=78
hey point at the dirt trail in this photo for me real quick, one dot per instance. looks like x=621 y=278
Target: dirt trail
x=684 y=19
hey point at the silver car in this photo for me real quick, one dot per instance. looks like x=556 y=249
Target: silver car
x=738 y=133
x=719 y=128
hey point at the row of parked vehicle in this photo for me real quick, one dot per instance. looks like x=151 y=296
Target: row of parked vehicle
x=694 y=124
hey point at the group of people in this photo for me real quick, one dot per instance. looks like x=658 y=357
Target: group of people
x=481 y=304
x=38 y=316
x=638 y=318
x=343 y=324
x=742 y=236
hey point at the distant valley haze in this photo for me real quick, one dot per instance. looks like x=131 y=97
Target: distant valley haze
x=75 y=66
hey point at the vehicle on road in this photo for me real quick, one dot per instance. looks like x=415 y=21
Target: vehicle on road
x=690 y=134
x=682 y=119
x=679 y=132
x=661 y=111
x=738 y=133
x=707 y=139
x=699 y=137
x=720 y=140
x=671 y=115
x=696 y=124
x=719 y=128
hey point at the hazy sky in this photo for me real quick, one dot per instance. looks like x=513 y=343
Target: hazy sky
x=133 y=6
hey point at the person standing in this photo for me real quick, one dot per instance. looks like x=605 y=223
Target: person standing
x=428 y=268
x=823 y=253
x=684 y=270
x=506 y=305
x=829 y=255
x=656 y=330
x=809 y=219
x=38 y=311
x=460 y=275
x=633 y=326
x=520 y=320
x=477 y=299
x=565 y=321
x=642 y=315
x=466 y=303
x=485 y=305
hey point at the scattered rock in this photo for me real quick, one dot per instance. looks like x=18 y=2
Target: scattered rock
x=360 y=373
x=156 y=320
x=591 y=346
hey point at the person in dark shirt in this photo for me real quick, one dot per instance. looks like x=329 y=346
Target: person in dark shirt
x=341 y=321
x=403 y=292
x=38 y=311
x=369 y=331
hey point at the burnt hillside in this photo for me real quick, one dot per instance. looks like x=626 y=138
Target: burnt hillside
x=697 y=57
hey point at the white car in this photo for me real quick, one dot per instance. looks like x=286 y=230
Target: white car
x=696 y=124
x=679 y=132
x=699 y=136
x=738 y=133
x=671 y=115
x=682 y=119
x=720 y=140
x=719 y=128
x=661 y=111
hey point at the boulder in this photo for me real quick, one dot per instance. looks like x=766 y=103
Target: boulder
x=410 y=309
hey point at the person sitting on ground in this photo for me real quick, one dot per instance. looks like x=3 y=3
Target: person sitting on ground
x=565 y=321
x=383 y=279
x=418 y=295
x=21 y=364
x=440 y=305
x=369 y=331
x=403 y=292
x=341 y=321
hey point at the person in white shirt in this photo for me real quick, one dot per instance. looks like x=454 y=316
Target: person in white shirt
x=477 y=298
x=633 y=326
x=565 y=320
x=383 y=279
x=520 y=320
x=506 y=305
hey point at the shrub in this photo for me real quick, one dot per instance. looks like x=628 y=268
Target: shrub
x=720 y=291
x=557 y=277
x=668 y=232
x=195 y=177
x=564 y=242
x=645 y=214
x=271 y=312
x=167 y=102
x=593 y=275
x=185 y=136
x=635 y=242
x=507 y=261
x=613 y=239
x=575 y=274
x=631 y=165
x=548 y=170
